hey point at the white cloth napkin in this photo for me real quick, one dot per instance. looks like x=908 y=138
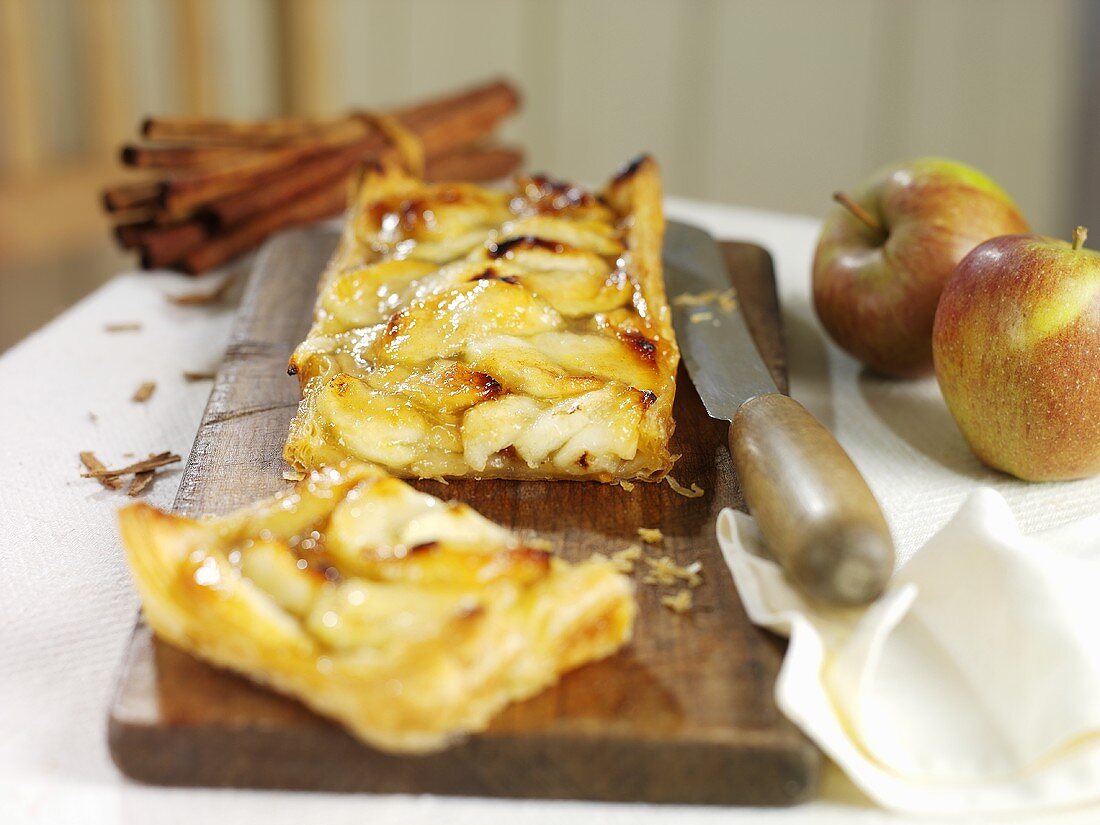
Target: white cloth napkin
x=972 y=685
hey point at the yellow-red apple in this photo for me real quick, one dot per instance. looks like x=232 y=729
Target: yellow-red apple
x=885 y=253
x=1017 y=354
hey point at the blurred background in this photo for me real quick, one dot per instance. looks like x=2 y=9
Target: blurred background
x=764 y=103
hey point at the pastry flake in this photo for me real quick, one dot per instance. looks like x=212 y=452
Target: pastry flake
x=465 y=331
x=408 y=619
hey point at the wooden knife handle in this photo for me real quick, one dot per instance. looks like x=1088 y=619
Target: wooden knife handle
x=817 y=514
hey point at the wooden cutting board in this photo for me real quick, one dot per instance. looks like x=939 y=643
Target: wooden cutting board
x=684 y=714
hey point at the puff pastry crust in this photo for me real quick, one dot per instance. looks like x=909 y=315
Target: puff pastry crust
x=464 y=331
x=408 y=619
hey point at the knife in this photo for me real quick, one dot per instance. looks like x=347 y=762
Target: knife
x=819 y=518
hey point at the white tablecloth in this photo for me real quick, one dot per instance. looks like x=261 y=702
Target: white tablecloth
x=67 y=604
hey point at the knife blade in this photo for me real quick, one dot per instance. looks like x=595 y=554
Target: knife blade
x=819 y=518
x=708 y=327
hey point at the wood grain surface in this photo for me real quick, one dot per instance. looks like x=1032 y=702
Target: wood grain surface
x=684 y=714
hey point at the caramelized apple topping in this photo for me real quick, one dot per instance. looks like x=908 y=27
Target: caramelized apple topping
x=467 y=331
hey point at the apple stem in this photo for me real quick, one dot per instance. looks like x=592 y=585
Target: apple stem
x=865 y=217
x=1079 y=236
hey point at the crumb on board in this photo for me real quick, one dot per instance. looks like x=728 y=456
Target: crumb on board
x=650 y=535
x=682 y=602
x=661 y=571
x=142 y=471
x=292 y=475
x=154 y=461
x=144 y=392
x=724 y=299
x=665 y=571
x=122 y=326
x=191 y=377
x=626 y=485
x=140 y=483
x=624 y=559
x=701 y=317
x=695 y=491
x=692 y=574
x=93 y=464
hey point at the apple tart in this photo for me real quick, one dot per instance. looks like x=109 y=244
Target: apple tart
x=514 y=333
x=408 y=619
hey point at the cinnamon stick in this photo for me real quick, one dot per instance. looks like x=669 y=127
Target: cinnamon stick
x=176 y=157
x=281 y=188
x=180 y=196
x=500 y=93
x=129 y=235
x=164 y=245
x=475 y=163
x=161 y=245
x=460 y=119
x=441 y=125
x=126 y=196
x=235 y=182
x=239 y=132
x=325 y=201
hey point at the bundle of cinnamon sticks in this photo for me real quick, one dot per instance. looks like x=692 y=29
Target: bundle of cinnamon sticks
x=218 y=188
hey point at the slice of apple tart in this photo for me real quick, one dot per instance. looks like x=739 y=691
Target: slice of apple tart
x=518 y=333
x=408 y=619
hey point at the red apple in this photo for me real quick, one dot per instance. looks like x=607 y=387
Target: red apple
x=885 y=253
x=1017 y=352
